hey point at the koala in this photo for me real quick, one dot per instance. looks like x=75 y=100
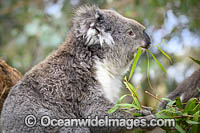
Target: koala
x=189 y=88
x=75 y=80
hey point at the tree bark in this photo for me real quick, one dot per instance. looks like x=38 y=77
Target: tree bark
x=8 y=77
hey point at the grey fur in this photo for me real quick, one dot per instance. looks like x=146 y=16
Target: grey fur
x=65 y=84
x=186 y=90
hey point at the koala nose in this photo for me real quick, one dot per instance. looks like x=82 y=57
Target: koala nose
x=147 y=40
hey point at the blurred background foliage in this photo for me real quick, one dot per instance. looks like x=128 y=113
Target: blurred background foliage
x=30 y=30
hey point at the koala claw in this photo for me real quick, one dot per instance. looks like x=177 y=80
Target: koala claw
x=147 y=108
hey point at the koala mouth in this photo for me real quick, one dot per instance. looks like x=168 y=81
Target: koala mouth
x=143 y=49
x=147 y=41
x=145 y=45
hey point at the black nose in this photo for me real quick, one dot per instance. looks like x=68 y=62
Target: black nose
x=147 y=39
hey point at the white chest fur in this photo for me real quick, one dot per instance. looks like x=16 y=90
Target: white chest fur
x=110 y=79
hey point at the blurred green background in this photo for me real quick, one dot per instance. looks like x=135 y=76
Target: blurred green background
x=30 y=30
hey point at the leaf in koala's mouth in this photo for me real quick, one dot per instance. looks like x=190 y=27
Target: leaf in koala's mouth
x=136 y=58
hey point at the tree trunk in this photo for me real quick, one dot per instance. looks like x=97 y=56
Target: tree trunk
x=8 y=77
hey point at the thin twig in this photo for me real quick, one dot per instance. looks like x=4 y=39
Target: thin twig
x=157 y=99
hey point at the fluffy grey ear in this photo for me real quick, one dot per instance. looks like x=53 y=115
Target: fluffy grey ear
x=89 y=24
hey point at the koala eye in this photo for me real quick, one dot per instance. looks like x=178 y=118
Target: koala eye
x=131 y=33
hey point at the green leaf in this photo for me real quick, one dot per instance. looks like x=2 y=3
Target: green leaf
x=195 y=128
x=180 y=129
x=178 y=103
x=136 y=102
x=136 y=114
x=113 y=109
x=192 y=122
x=127 y=86
x=139 y=52
x=171 y=103
x=147 y=64
x=167 y=111
x=190 y=105
x=125 y=78
x=121 y=98
x=128 y=105
x=163 y=41
x=132 y=88
x=196 y=116
x=162 y=116
x=195 y=60
x=158 y=44
x=166 y=55
x=148 y=79
x=133 y=113
x=167 y=99
x=163 y=69
x=197 y=107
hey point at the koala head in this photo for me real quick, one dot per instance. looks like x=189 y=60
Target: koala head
x=119 y=35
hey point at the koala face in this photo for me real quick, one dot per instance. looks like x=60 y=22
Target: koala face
x=127 y=34
x=120 y=35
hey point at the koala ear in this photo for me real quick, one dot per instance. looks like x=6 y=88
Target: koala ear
x=89 y=23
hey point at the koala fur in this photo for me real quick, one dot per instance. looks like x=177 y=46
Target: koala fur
x=186 y=90
x=74 y=80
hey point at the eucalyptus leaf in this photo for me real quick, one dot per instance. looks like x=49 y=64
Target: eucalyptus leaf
x=178 y=103
x=166 y=55
x=192 y=122
x=113 y=109
x=190 y=105
x=195 y=60
x=136 y=102
x=121 y=98
x=128 y=105
x=196 y=116
x=171 y=103
x=195 y=128
x=167 y=99
x=139 y=52
x=148 y=79
x=179 y=128
x=163 y=69
x=132 y=88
